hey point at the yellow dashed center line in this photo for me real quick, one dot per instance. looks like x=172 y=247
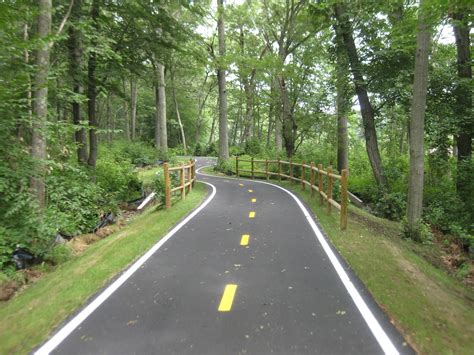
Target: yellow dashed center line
x=245 y=240
x=254 y=200
x=241 y=184
x=227 y=298
x=252 y=214
x=250 y=190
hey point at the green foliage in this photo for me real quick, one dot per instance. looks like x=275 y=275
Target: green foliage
x=58 y=254
x=226 y=167
x=420 y=232
x=198 y=150
x=211 y=150
x=252 y=147
x=159 y=183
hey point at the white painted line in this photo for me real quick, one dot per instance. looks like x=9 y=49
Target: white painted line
x=374 y=326
x=51 y=344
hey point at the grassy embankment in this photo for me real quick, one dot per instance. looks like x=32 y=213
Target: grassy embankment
x=433 y=310
x=28 y=318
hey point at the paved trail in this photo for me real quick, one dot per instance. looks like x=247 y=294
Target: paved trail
x=246 y=275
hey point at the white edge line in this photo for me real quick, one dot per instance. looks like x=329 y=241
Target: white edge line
x=52 y=343
x=374 y=326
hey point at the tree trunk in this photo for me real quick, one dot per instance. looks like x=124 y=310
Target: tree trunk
x=417 y=117
x=223 y=137
x=288 y=123
x=92 y=91
x=178 y=116
x=109 y=121
x=162 y=107
x=367 y=112
x=40 y=104
x=157 y=117
x=133 y=107
x=342 y=102
x=76 y=67
x=463 y=102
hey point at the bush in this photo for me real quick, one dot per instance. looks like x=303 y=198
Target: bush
x=390 y=205
x=58 y=254
x=159 y=183
x=118 y=181
x=198 y=150
x=225 y=167
x=252 y=147
x=211 y=150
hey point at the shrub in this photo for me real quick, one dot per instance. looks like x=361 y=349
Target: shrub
x=58 y=254
x=252 y=147
x=211 y=150
x=118 y=181
x=159 y=183
x=198 y=150
x=225 y=167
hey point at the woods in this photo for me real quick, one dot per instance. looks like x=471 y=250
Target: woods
x=93 y=89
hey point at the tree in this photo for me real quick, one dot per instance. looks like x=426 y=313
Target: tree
x=418 y=107
x=223 y=134
x=366 y=109
x=92 y=89
x=76 y=70
x=40 y=103
x=463 y=108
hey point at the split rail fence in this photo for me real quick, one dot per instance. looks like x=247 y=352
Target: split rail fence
x=187 y=178
x=316 y=180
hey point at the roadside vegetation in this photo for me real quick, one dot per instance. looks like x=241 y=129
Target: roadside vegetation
x=28 y=318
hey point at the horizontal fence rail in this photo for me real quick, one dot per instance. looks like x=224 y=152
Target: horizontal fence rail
x=318 y=177
x=187 y=178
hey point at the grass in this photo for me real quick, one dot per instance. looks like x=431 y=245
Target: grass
x=433 y=310
x=28 y=318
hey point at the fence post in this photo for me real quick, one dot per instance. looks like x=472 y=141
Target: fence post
x=252 y=169
x=344 y=197
x=193 y=172
x=266 y=169
x=320 y=183
x=302 y=176
x=182 y=180
x=190 y=175
x=237 y=166
x=279 y=170
x=167 y=186
x=329 y=191
x=291 y=171
x=311 y=179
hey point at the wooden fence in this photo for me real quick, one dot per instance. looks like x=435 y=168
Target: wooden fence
x=187 y=178
x=315 y=182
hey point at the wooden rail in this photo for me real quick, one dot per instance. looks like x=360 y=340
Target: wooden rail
x=187 y=178
x=326 y=195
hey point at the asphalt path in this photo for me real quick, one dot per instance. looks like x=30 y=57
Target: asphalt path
x=248 y=273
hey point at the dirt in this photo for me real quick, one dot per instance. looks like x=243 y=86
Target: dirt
x=7 y=290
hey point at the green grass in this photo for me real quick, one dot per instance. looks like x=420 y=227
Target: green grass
x=147 y=175
x=27 y=319
x=433 y=310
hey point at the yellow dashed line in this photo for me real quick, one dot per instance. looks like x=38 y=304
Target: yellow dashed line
x=241 y=184
x=254 y=200
x=227 y=298
x=250 y=190
x=245 y=240
x=252 y=214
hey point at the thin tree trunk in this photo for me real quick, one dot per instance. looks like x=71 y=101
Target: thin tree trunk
x=178 y=116
x=463 y=102
x=157 y=117
x=76 y=67
x=162 y=107
x=213 y=126
x=133 y=107
x=20 y=126
x=40 y=104
x=278 y=120
x=200 y=113
x=223 y=135
x=418 y=107
x=367 y=112
x=342 y=103
x=109 y=120
x=92 y=92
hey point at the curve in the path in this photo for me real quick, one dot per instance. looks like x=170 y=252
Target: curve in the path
x=235 y=282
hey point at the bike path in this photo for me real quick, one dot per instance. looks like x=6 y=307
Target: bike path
x=288 y=297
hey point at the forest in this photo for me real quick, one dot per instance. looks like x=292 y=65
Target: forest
x=92 y=90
